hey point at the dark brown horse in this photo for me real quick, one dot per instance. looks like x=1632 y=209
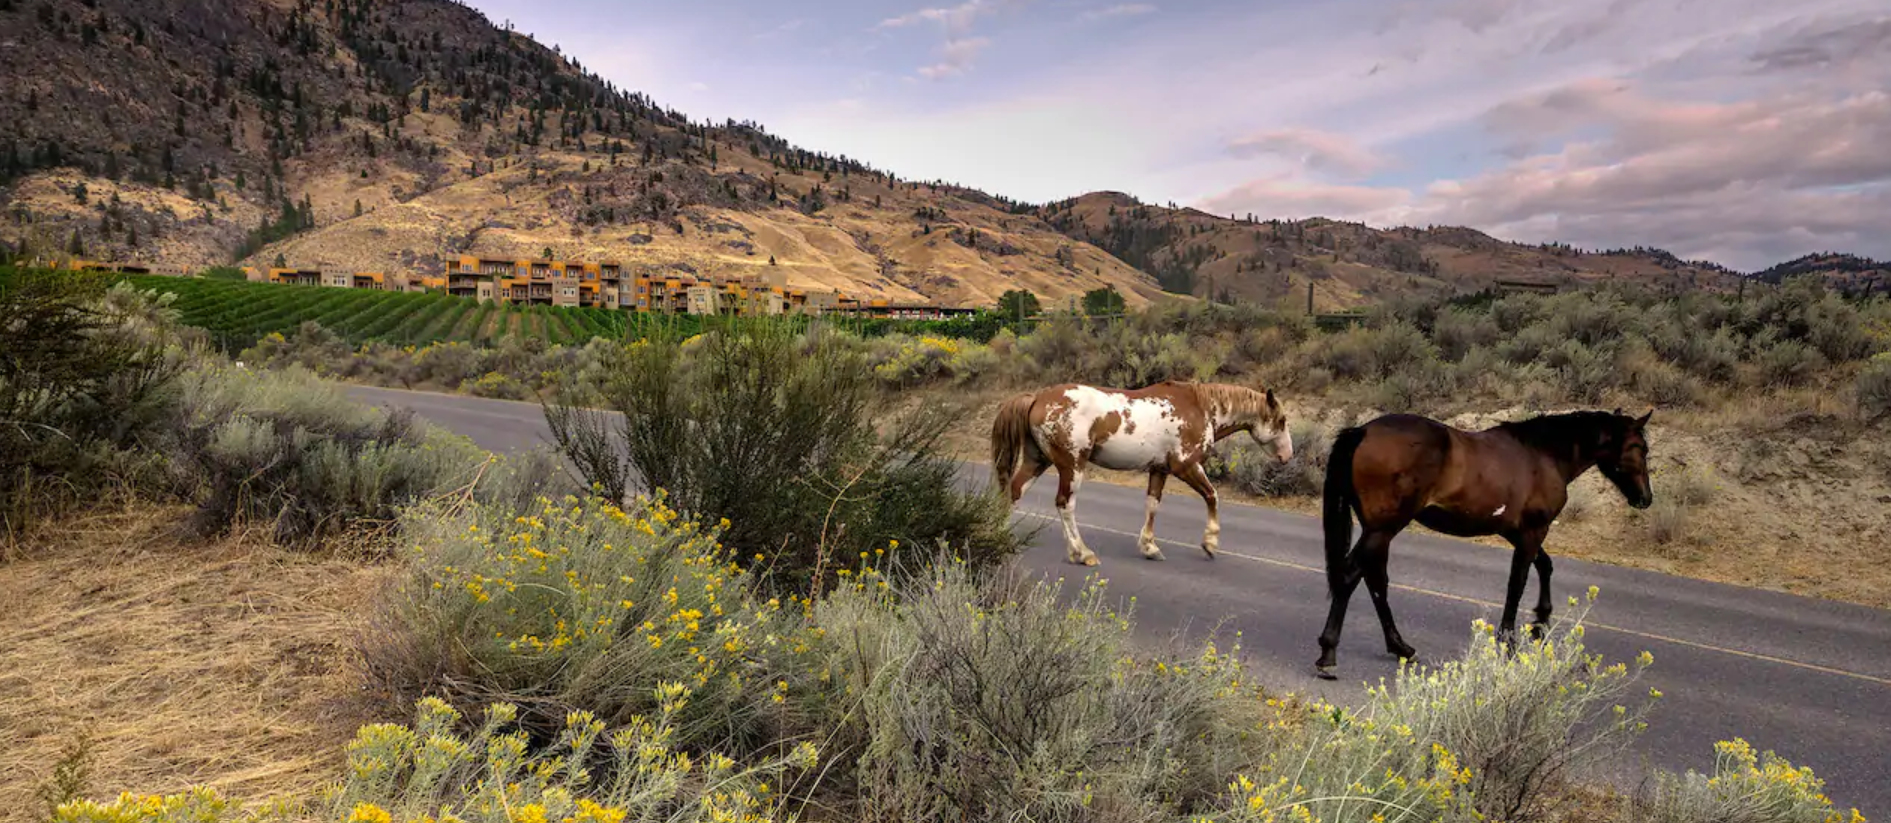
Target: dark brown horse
x=1510 y=480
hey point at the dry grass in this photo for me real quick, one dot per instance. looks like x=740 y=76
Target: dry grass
x=225 y=664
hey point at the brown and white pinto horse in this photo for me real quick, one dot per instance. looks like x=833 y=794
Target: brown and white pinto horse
x=1164 y=429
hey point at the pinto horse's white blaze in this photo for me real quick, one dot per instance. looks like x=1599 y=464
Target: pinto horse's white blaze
x=1165 y=429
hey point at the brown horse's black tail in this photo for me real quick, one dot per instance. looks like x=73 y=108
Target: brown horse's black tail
x=1336 y=516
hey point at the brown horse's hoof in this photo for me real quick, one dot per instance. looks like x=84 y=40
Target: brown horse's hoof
x=1325 y=673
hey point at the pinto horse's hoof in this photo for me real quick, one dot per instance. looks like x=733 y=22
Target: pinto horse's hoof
x=1324 y=672
x=1088 y=561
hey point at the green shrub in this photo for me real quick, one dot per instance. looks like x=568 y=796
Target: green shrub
x=286 y=449
x=1874 y=388
x=1256 y=472
x=1664 y=385
x=1744 y=787
x=961 y=700
x=494 y=775
x=87 y=383
x=787 y=436
x=1521 y=726
x=1459 y=331
x=1585 y=373
x=1789 y=363
x=1376 y=353
x=582 y=605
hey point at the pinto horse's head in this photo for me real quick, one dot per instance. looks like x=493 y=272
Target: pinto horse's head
x=1270 y=426
x=1622 y=456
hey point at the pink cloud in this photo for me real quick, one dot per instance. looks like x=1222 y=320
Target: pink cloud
x=954 y=58
x=1287 y=196
x=1313 y=149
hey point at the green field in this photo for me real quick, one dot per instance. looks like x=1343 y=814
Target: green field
x=238 y=314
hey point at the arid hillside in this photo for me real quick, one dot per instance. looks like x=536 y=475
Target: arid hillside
x=395 y=136
x=1347 y=264
x=1844 y=272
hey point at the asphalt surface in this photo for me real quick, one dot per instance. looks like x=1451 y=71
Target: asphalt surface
x=1810 y=679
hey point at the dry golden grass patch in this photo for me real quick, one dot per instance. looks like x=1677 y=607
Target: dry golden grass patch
x=225 y=664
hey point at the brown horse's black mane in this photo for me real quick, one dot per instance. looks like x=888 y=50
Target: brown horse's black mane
x=1557 y=432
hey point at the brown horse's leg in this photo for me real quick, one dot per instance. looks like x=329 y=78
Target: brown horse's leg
x=1336 y=613
x=1543 y=606
x=1527 y=545
x=1372 y=559
x=1146 y=542
x=1197 y=478
x=1068 y=480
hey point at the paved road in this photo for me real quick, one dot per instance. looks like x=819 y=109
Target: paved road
x=1808 y=678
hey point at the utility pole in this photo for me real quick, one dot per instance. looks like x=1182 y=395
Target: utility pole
x=1309 y=298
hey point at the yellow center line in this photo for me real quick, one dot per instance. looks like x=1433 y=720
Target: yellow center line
x=1766 y=658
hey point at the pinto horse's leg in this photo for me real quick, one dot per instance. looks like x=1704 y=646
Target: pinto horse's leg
x=1147 y=540
x=1068 y=480
x=1543 y=607
x=1029 y=470
x=1197 y=478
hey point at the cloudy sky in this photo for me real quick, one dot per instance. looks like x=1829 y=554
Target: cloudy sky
x=1742 y=131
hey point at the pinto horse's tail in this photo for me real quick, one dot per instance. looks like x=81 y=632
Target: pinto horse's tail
x=1336 y=516
x=1010 y=436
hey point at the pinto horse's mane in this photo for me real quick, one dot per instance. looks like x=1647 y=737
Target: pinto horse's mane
x=1245 y=401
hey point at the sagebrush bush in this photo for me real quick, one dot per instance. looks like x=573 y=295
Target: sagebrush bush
x=1789 y=363
x=285 y=449
x=1255 y=471
x=787 y=436
x=578 y=604
x=1460 y=331
x=965 y=700
x=87 y=384
x=1744 y=787
x=1874 y=388
x=589 y=773
x=1522 y=726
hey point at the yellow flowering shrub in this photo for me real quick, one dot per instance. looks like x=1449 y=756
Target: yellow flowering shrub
x=587 y=774
x=586 y=605
x=1745 y=785
x=431 y=772
x=904 y=361
x=1522 y=723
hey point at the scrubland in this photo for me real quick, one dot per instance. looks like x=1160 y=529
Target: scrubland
x=242 y=597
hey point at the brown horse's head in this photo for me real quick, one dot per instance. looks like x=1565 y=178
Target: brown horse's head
x=1622 y=456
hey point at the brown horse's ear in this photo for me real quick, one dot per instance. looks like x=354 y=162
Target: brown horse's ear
x=1644 y=419
x=1271 y=402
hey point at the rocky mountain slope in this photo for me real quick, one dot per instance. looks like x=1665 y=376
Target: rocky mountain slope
x=395 y=135
x=1346 y=264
